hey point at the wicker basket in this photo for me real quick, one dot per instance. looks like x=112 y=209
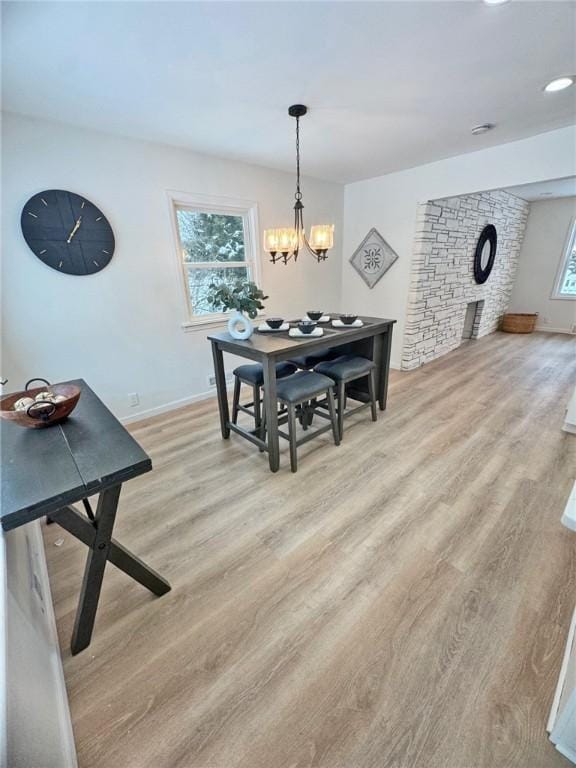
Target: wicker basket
x=519 y=322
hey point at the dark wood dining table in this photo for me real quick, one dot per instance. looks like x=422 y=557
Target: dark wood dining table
x=372 y=340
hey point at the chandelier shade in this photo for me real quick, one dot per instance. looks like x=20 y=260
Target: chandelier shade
x=285 y=243
x=283 y=240
x=321 y=237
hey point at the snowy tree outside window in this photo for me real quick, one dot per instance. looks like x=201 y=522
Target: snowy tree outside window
x=213 y=248
x=566 y=285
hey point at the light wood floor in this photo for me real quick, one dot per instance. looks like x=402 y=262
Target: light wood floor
x=401 y=602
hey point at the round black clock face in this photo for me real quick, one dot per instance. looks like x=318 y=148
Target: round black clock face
x=67 y=232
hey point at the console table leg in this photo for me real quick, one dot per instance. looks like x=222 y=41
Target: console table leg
x=94 y=570
x=132 y=566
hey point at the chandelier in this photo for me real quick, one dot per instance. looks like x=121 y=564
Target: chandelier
x=285 y=243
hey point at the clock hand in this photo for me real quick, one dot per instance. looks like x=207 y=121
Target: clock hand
x=76 y=227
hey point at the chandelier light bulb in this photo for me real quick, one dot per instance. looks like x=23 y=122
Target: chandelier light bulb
x=271 y=240
x=287 y=239
x=322 y=237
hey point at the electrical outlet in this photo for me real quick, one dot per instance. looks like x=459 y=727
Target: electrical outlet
x=134 y=398
x=212 y=379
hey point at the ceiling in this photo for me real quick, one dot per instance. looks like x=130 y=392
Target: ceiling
x=390 y=85
x=545 y=190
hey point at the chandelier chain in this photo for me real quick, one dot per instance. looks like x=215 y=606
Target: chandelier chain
x=298 y=194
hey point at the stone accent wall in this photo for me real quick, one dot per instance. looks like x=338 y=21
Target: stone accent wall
x=442 y=279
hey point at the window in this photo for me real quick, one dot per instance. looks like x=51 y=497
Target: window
x=216 y=242
x=565 y=287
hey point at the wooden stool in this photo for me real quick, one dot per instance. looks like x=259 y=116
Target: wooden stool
x=297 y=391
x=253 y=376
x=344 y=370
x=307 y=363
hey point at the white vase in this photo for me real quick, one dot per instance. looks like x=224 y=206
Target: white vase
x=239 y=326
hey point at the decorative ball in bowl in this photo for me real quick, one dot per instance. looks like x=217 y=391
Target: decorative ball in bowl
x=314 y=314
x=274 y=322
x=38 y=407
x=348 y=319
x=306 y=326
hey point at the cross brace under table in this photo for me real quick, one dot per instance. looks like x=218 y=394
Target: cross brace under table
x=96 y=532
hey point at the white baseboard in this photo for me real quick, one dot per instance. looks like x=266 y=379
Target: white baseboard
x=174 y=404
x=547 y=329
x=570 y=420
x=171 y=406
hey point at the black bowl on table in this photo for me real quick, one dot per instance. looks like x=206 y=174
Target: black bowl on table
x=274 y=322
x=348 y=319
x=306 y=326
x=314 y=314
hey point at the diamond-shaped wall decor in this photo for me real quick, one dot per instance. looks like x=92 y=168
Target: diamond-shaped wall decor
x=373 y=258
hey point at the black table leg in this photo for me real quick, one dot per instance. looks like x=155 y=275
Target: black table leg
x=94 y=534
x=126 y=561
x=220 y=375
x=271 y=409
x=381 y=356
x=94 y=571
x=383 y=384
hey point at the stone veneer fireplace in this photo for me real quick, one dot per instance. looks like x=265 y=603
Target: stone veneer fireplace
x=442 y=280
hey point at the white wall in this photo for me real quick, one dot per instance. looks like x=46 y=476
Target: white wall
x=543 y=248
x=390 y=202
x=121 y=328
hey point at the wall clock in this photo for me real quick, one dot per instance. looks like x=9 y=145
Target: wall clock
x=67 y=232
x=485 y=253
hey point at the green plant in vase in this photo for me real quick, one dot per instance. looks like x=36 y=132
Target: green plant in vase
x=244 y=298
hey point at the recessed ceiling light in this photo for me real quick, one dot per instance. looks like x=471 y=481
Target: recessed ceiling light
x=484 y=128
x=496 y=2
x=559 y=84
x=545 y=194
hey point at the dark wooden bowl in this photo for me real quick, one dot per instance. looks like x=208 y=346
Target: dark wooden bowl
x=55 y=415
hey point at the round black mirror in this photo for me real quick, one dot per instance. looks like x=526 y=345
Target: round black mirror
x=485 y=253
x=485 y=256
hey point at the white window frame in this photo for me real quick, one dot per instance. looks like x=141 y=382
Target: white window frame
x=248 y=210
x=568 y=248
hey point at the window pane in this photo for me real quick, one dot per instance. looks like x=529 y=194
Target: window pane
x=211 y=236
x=568 y=284
x=199 y=283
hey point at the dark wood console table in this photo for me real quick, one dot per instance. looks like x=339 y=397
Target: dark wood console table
x=44 y=471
